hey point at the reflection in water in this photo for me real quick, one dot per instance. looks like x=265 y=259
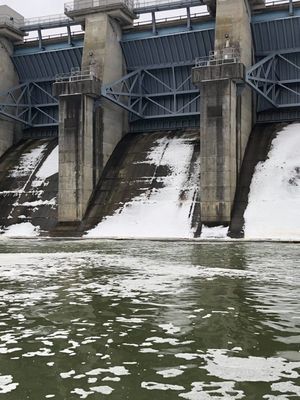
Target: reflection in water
x=129 y=320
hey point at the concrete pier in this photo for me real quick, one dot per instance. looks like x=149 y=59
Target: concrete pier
x=225 y=109
x=102 y=52
x=88 y=134
x=76 y=146
x=10 y=131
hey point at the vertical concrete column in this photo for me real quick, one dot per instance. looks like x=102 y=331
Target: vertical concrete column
x=87 y=137
x=76 y=130
x=225 y=111
x=102 y=52
x=10 y=131
x=233 y=29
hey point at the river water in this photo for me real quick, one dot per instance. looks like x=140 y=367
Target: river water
x=142 y=319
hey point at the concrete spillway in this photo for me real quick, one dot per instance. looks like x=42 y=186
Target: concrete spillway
x=28 y=188
x=267 y=203
x=150 y=188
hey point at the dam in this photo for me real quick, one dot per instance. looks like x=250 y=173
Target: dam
x=132 y=125
x=149 y=200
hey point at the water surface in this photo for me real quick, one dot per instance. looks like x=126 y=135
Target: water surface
x=141 y=319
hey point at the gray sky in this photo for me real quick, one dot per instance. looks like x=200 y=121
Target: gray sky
x=36 y=8
x=40 y=8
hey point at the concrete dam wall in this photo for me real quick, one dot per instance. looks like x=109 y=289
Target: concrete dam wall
x=150 y=188
x=190 y=96
x=28 y=188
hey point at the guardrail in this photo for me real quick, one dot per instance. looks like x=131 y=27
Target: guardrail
x=228 y=55
x=76 y=74
x=54 y=36
x=170 y=19
x=272 y=3
x=46 y=20
x=78 y=5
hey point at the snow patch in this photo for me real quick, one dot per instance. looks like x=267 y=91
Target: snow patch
x=49 y=168
x=273 y=210
x=160 y=213
x=28 y=162
x=25 y=229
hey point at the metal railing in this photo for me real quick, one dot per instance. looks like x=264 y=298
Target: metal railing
x=78 y=5
x=64 y=35
x=170 y=19
x=157 y=3
x=46 y=20
x=76 y=74
x=228 y=55
x=272 y=3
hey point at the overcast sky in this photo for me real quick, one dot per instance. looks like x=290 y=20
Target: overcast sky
x=36 y=8
x=40 y=8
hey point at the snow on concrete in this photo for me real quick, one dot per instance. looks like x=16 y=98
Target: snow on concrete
x=273 y=210
x=28 y=162
x=25 y=229
x=39 y=203
x=49 y=168
x=27 y=166
x=160 y=213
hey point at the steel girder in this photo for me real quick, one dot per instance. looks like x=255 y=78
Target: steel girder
x=277 y=78
x=145 y=90
x=27 y=103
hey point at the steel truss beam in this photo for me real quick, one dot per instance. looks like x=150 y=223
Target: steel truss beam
x=135 y=93
x=28 y=102
x=277 y=78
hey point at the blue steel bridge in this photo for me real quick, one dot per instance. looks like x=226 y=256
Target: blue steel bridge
x=157 y=89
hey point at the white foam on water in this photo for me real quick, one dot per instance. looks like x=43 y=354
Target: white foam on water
x=117 y=371
x=217 y=232
x=187 y=356
x=170 y=373
x=273 y=210
x=251 y=369
x=160 y=213
x=6 y=384
x=102 y=389
x=83 y=394
x=160 y=386
x=213 y=391
x=130 y=320
x=286 y=387
x=111 y=379
x=170 y=328
x=65 y=375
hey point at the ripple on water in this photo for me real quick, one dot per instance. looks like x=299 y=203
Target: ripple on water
x=103 y=322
